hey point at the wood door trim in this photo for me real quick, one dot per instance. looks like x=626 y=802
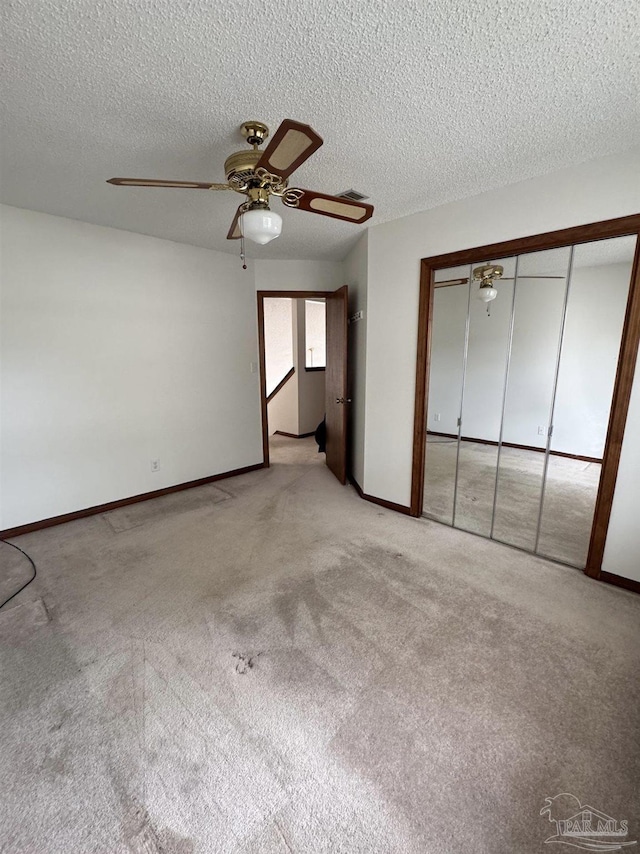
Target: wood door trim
x=295 y=294
x=261 y=296
x=425 y=323
x=617 y=421
x=337 y=380
x=263 y=382
x=620 y=227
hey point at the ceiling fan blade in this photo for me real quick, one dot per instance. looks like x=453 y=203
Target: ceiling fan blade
x=235 y=232
x=524 y=276
x=333 y=206
x=151 y=182
x=291 y=145
x=448 y=282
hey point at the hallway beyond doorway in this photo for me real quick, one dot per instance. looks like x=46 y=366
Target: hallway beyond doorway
x=283 y=450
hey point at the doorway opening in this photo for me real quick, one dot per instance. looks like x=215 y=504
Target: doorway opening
x=523 y=386
x=295 y=365
x=303 y=375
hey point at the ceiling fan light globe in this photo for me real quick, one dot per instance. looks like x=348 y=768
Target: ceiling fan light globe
x=487 y=294
x=261 y=225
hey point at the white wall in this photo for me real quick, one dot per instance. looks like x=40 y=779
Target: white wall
x=593 y=332
x=298 y=275
x=315 y=331
x=118 y=349
x=311 y=401
x=280 y=346
x=622 y=550
x=447 y=358
x=356 y=269
x=278 y=340
x=536 y=335
x=597 y=190
x=311 y=384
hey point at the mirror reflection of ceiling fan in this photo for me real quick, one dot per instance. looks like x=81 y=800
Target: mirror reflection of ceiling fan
x=464 y=280
x=487 y=275
x=259 y=175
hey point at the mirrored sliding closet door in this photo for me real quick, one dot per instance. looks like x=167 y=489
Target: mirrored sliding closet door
x=524 y=352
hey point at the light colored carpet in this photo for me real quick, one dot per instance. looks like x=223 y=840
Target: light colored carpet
x=569 y=502
x=282 y=667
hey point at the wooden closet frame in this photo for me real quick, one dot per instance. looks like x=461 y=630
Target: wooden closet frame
x=621 y=227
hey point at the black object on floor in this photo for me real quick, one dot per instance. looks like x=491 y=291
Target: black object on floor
x=321 y=436
x=17 y=548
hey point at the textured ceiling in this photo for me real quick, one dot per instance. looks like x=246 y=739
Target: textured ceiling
x=419 y=103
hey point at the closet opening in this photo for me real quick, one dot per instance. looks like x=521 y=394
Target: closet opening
x=525 y=365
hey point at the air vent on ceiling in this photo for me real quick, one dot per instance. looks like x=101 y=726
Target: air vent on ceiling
x=353 y=195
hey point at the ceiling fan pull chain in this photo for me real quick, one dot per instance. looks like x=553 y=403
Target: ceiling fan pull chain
x=242 y=255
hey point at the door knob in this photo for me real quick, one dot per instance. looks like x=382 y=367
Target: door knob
x=343 y=400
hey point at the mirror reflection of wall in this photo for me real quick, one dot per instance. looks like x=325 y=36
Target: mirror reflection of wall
x=483 y=388
x=520 y=391
x=448 y=347
x=538 y=309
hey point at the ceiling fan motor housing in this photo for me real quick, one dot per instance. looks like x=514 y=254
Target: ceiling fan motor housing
x=488 y=273
x=241 y=165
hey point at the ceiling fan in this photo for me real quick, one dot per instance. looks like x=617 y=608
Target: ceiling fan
x=258 y=175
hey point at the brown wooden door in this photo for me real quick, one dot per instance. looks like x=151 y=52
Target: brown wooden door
x=336 y=403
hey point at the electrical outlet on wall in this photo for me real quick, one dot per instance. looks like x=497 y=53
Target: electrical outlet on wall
x=436 y=416
x=542 y=431
x=155 y=465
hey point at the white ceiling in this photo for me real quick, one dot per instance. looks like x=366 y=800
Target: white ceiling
x=419 y=103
